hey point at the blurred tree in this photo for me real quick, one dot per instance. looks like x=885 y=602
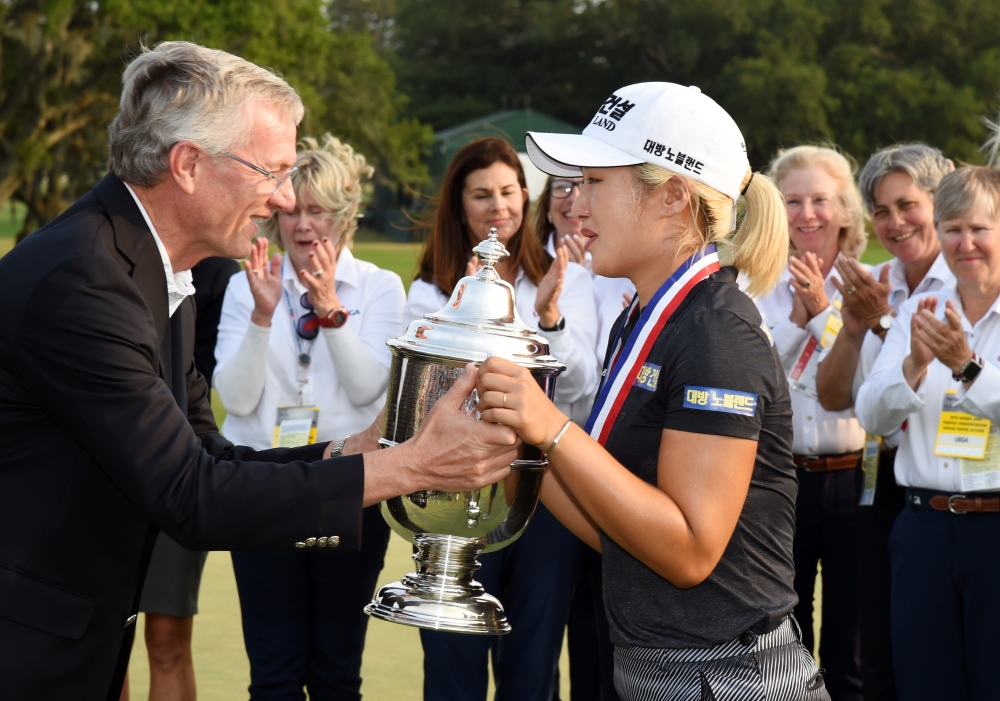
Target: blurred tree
x=62 y=65
x=860 y=73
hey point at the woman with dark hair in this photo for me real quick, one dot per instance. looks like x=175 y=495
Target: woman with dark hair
x=485 y=188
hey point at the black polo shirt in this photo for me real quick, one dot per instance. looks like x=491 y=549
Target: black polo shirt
x=713 y=370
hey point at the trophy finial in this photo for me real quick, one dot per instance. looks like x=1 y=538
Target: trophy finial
x=490 y=252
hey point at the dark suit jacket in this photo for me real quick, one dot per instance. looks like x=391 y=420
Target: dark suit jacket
x=106 y=436
x=211 y=278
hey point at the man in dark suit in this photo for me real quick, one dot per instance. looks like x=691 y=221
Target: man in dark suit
x=108 y=435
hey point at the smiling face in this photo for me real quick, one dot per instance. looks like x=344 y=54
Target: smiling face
x=971 y=246
x=814 y=217
x=560 y=210
x=305 y=224
x=493 y=197
x=231 y=194
x=903 y=218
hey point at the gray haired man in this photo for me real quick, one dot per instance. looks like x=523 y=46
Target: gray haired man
x=108 y=431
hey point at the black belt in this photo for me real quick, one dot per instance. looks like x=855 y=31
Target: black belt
x=982 y=503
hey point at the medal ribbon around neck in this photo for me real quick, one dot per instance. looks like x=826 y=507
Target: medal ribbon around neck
x=653 y=318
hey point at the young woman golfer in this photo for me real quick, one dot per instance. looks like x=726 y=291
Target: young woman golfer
x=683 y=477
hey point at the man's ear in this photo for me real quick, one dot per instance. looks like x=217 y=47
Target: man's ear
x=186 y=163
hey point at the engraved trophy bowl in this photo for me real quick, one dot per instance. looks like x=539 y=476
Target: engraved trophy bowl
x=450 y=530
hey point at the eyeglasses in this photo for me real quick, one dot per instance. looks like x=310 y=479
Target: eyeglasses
x=561 y=189
x=280 y=181
x=308 y=324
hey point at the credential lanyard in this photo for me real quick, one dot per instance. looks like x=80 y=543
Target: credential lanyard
x=304 y=357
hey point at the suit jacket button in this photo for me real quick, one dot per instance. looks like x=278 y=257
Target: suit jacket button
x=321 y=542
x=300 y=544
x=333 y=541
x=130 y=620
x=310 y=542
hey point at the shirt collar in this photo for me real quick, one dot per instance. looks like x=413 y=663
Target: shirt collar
x=938 y=271
x=179 y=285
x=956 y=299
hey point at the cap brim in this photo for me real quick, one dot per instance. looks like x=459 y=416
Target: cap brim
x=565 y=154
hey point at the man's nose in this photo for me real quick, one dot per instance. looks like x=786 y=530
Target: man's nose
x=284 y=198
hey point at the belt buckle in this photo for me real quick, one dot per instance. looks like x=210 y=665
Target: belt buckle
x=951 y=505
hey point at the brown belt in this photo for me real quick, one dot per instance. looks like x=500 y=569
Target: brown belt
x=827 y=463
x=961 y=504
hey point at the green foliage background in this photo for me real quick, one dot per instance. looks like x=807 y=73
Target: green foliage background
x=382 y=73
x=859 y=73
x=61 y=69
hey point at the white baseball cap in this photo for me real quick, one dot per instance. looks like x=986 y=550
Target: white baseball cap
x=669 y=125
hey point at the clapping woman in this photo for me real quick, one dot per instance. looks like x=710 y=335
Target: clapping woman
x=484 y=188
x=302 y=358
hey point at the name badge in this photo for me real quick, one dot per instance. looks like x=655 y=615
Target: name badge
x=960 y=435
x=295 y=426
x=729 y=401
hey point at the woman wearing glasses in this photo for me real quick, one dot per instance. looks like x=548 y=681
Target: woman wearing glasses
x=302 y=358
x=483 y=188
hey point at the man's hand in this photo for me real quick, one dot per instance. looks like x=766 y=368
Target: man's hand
x=451 y=452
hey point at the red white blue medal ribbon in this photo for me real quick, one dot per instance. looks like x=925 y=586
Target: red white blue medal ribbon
x=627 y=359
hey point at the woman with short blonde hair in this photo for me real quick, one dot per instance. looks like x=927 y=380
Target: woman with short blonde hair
x=302 y=339
x=825 y=220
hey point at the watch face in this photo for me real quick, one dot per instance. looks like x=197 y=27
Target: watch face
x=885 y=321
x=339 y=317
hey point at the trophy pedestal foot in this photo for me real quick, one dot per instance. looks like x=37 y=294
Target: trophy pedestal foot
x=441 y=594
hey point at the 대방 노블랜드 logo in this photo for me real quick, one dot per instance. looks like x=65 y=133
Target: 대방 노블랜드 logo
x=730 y=401
x=615 y=108
x=686 y=161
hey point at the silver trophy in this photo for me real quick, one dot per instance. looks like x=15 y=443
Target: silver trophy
x=450 y=530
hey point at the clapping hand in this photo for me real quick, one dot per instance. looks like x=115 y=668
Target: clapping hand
x=574 y=245
x=921 y=355
x=945 y=339
x=865 y=298
x=264 y=279
x=319 y=282
x=809 y=285
x=549 y=289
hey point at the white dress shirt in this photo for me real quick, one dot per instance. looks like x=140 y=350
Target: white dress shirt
x=374 y=299
x=886 y=400
x=179 y=285
x=937 y=277
x=574 y=345
x=816 y=430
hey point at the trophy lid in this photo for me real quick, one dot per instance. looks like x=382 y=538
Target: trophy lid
x=479 y=320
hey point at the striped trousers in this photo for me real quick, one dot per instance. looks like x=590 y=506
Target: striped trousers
x=771 y=667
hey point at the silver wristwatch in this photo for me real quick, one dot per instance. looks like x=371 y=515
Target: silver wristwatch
x=337 y=448
x=884 y=322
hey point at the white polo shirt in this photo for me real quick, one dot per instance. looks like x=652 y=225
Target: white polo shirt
x=374 y=299
x=816 y=430
x=885 y=400
x=937 y=277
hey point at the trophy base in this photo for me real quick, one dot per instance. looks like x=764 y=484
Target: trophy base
x=441 y=594
x=478 y=615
